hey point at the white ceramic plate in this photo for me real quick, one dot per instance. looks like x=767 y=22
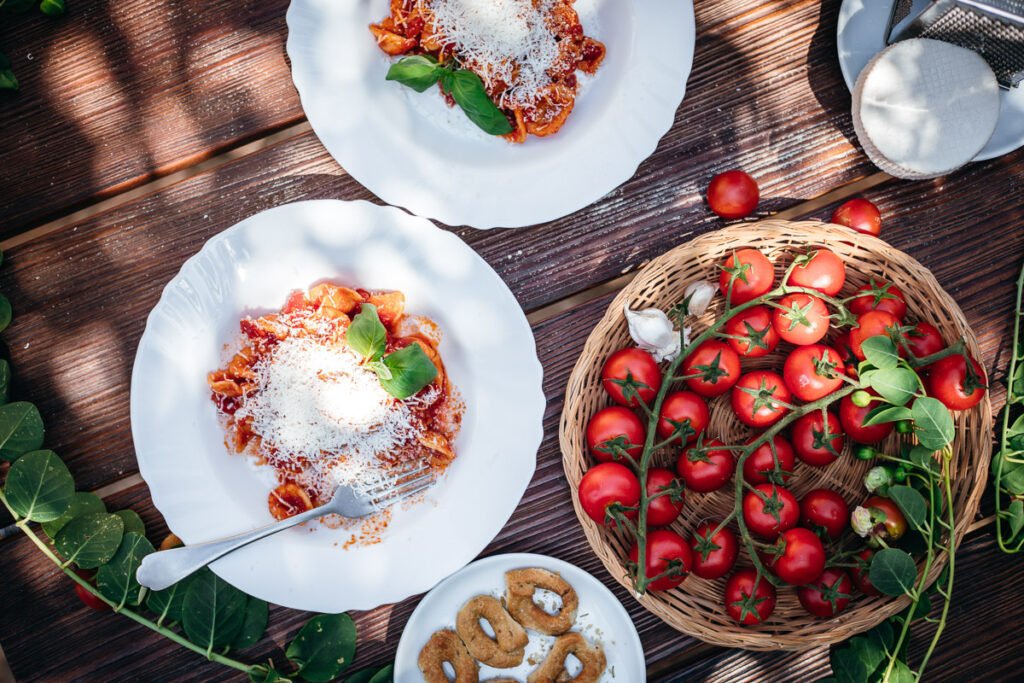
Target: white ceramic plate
x=601 y=618
x=204 y=492
x=411 y=150
x=862 y=26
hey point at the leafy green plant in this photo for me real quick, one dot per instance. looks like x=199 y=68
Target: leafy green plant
x=402 y=373
x=1008 y=462
x=8 y=81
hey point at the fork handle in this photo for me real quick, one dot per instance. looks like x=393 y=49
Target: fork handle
x=165 y=568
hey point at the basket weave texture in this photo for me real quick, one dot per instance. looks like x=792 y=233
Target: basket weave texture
x=696 y=607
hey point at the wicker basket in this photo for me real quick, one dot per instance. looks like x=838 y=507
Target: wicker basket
x=696 y=608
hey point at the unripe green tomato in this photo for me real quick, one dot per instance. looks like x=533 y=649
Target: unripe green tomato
x=861 y=398
x=900 y=475
x=864 y=452
x=904 y=427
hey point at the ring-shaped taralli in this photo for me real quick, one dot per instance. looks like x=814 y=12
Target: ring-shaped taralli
x=552 y=669
x=520 y=586
x=507 y=648
x=446 y=646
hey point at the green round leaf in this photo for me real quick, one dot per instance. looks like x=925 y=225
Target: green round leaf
x=82 y=503
x=253 y=626
x=39 y=486
x=5 y=312
x=411 y=370
x=213 y=611
x=895 y=385
x=167 y=604
x=90 y=540
x=912 y=503
x=886 y=413
x=933 y=422
x=881 y=352
x=324 y=647
x=132 y=521
x=21 y=429
x=385 y=675
x=116 y=579
x=892 y=571
x=1015 y=514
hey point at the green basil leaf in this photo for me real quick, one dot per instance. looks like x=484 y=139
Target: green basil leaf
x=116 y=579
x=385 y=675
x=168 y=603
x=132 y=521
x=213 y=611
x=468 y=91
x=933 y=422
x=82 y=503
x=411 y=370
x=5 y=381
x=52 y=8
x=912 y=503
x=39 y=486
x=895 y=385
x=90 y=540
x=21 y=429
x=892 y=571
x=886 y=413
x=324 y=647
x=366 y=335
x=418 y=72
x=257 y=614
x=881 y=352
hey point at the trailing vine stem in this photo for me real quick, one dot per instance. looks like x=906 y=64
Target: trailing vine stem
x=23 y=525
x=1003 y=457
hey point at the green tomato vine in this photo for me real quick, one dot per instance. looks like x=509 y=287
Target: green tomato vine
x=1008 y=463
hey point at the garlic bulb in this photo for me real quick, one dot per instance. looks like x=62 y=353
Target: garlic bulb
x=698 y=295
x=653 y=332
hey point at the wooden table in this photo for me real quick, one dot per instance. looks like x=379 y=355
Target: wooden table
x=145 y=127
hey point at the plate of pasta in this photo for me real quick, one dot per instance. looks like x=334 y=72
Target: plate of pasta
x=329 y=343
x=491 y=113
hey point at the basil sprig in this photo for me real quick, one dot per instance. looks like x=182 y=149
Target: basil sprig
x=402 y=373
x=420 y=72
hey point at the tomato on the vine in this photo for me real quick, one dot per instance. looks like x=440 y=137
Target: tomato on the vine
x=958 y=385
x=716 y=366
x=879 y=295
x=759 y=467
x=754 y=326
x=664 y=509
x=820 y=269
x=798 y=556
x=813 y=372
x=733 y=194
x=682 y=413
x=760 y=398
x=825 y=510
x=859 y=573
x=714 y=554
x=872 y=324
x=859 y=214
x=751 y=275
x=615 y=431
x=87 y=598
x=852 y=418
x=828 y=595
x=609 y=485
x=816 y=442
x=666 y=551
x=630 y=376
x=802 y=319
x=841 y=344
x=884 y=520
x=923 y=339
x=769 y=510
x=749 y=599
x=706 y=469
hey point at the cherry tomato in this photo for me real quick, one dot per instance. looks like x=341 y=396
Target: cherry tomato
x=801 y=557
x=890 y=524
x=879 y=295
x=825 y=510
x=871 y=324
x=759 y=467
x=769 y=510
x=714 y=554
x=717 y=365
x=754 y=276
x=813 y=372
x=842 y=347
x=686 y=408
x=606 y=485
x=754 y=325
x=815 y=444
x=861 y=215
x=828 y=595
x=631 y=364
x=87 y=598
x=754 y=398
x=958 y=386
x=663 y=510
x=923 y=339
x=733 y=194
x=612 y=430
x=705 y=471
x=666 y=550
x=852 y=417
x=820 y=269
x=804 y=320
x=859 y=573
x=749 y=599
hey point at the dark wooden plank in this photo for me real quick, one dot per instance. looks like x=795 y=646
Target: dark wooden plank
x=117 y=93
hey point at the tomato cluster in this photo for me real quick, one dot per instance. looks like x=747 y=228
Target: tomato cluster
x=793 y=537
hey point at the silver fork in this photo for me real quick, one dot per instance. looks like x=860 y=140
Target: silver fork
x=165 y=568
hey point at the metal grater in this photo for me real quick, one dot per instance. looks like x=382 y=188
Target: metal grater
x=992 y=28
